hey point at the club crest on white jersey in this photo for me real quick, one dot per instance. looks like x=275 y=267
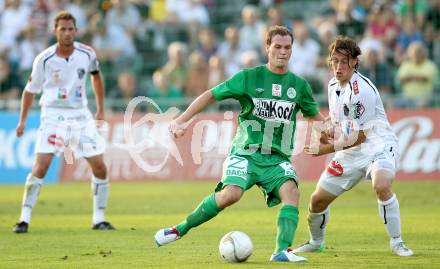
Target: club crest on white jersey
x=273 y=110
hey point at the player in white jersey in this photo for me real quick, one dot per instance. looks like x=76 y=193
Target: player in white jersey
x=365 y=147
x=60 y=72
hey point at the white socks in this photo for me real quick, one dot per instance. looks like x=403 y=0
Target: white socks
x=30 y=197
x=100 y=189
x=389 y=211
x=317 y=224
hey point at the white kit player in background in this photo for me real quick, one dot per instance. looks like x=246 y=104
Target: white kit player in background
x=365 y=147
x=60 y=73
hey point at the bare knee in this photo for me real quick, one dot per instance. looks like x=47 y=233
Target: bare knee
x=40 y=169
x=100 y=170
x=228 y=196
x=382 y=189
x=289 y=193
x=318 y=203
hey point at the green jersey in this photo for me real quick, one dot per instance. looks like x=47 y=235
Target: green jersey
x=269 y=103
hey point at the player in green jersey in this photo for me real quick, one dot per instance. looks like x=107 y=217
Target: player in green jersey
x=270 y=97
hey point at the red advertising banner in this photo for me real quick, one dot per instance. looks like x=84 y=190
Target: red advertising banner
x=141 y=150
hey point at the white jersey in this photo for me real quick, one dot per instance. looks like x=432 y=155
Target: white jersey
x=358 y=106
x=62 y=80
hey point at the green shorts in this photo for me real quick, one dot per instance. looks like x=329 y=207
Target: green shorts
x=242 y=171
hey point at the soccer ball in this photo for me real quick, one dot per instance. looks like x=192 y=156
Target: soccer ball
x=235 y=246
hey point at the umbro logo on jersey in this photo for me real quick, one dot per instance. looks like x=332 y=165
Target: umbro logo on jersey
x=276 y=90
x=273 y=110
x=259 y=90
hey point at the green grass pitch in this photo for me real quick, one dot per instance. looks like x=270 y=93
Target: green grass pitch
x=60 y=234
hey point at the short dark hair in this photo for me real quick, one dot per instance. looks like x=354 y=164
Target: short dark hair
x=277 y=30
x=345 y=46
x=64 y=15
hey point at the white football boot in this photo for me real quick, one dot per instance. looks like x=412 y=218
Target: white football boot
x=401 y=250
x=165 y=236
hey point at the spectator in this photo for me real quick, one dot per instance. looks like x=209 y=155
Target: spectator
x=417 y=75
x=230 y=50
x=125 y=15
x=39 y=19
x=275 y=17
x=326 y=32
x=29 y=48
x=207 y=43
x=163 y=92
x=125 y=90
x=112 y=43
x=347 y=23
x=252 y=32
x=249 y=59
x=383 y=25
x=198 y=75
x=176 y=68
x=191 y=15
x=10 y=83
x=409 y=35
x=216 y=71
x=13 y=21
x=377 y=71
x=432 y=31
x=412 y=9
x=306 y=52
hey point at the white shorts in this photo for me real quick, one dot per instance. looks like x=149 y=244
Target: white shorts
x=69 y=128
x=342 y=174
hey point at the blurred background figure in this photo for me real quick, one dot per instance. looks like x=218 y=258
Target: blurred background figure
x=252 y=31
x=410 y=33
x=176 y=67
x=142 y=36
x=125 y=15
x=198 y=75
x=13 y=21
x=192 y=15
x=163 y=93
x=305 y=52
x=216 y=71
x=249 y=59
x=126 y=89
x=207 y=43
x=230 y=50
x=10 y=86
x=377 y=70
x=417 y=76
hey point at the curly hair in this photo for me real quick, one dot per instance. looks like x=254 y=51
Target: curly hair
x=345 y=46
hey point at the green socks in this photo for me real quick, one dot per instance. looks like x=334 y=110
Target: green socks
x=286 y=227
x=205 y=211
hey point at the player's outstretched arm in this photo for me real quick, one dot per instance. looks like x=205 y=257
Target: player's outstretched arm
x=178 y=126
x=27 y=99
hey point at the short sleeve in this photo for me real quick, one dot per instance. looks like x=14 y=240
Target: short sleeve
x=308 y=105
x=363 y=108
x=36 y=78
x=231 y=88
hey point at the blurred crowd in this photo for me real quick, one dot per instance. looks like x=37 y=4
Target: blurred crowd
x=174 y=50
